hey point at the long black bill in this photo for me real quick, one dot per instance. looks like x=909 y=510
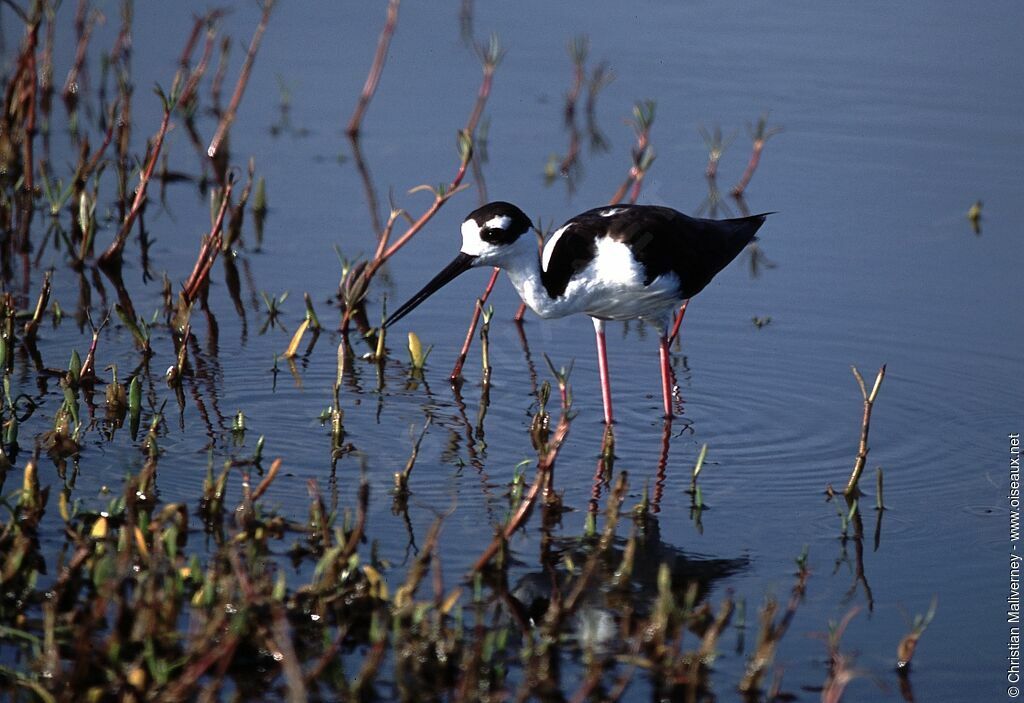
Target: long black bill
x=461 y=263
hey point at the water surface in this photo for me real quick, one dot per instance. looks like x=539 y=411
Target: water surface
x=896 y=119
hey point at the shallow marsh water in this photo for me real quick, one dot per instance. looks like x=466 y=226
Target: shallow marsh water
x=896 y=119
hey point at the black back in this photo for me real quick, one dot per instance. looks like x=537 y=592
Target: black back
x=661 y=240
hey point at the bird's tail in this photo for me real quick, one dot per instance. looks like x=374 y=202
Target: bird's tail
x=713 y=246
x=746 y=227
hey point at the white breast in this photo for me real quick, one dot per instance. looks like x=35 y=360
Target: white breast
x=612 y=286
x=614 y=263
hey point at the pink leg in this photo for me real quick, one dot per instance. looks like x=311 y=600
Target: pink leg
x=666 y=377
x=679 y=321
x=602 y=366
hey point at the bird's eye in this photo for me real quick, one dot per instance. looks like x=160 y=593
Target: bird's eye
x=489 y=234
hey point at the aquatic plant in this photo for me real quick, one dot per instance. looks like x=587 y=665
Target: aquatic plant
x=134 y=591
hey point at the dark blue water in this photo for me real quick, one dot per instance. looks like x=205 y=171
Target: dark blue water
x=895 y=118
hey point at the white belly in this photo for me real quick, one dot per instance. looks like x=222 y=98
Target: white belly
x=610 y=287
x=626 y=302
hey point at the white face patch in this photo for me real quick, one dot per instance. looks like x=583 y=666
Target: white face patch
x=549 y=246
x=471 y=242
x=499 y=222
x=611 y=211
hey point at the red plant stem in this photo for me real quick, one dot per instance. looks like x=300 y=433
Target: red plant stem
x=368 y=188
x=477 y=309
x=572 y=156
x=217 y=83
x=621 y=192
x=660 y=475
x=88 y=371
x=852 y=491
x=243 y=78
x=123 y=43
x=22 y=90
x=544 y=468
x=95 y=160
x=376 y=69
x=13 y=90
x=222 y=651
x=481 y=99
x=631 y=178
x=117 y=246
x=440 y=198
x=382 y=242
x=588 y=686
x=574 y=93
x=30 y=123
x=637 y=182
x=636 y=173
x=71 y=90
x=193 y=38
x=635 y=178
x=416 y=226
x=208 y=252
x=570 y=119
x=600 y=477
x=188 y=92
x=755 y=158
x=474 y=118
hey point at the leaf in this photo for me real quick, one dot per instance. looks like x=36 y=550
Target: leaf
x=451 y=600
x=378 y=587
x=416 y=352
x=289 y=353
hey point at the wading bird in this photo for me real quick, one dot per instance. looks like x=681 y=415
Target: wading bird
x=617 y=262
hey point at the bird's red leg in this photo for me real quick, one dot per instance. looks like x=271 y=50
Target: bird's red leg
x=518 y=317
x=666 y=377
x=679 y=321
x=602 y=367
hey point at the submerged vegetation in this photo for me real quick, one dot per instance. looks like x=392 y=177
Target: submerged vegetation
x=128 y=596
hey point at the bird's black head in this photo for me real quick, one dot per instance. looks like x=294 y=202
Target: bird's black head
x=492 y=226
x=491 y=236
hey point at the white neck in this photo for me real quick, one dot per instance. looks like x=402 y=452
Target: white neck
x=525 y=273
x=521 y=261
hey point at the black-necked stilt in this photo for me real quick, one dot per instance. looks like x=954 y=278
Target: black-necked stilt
x=617 y=262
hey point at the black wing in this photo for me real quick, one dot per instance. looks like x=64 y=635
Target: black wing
x=664 y=240
x=576 y=247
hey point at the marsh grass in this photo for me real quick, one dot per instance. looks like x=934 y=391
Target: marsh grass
x=128 y=596
x=852 y=490
x=760 y=133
